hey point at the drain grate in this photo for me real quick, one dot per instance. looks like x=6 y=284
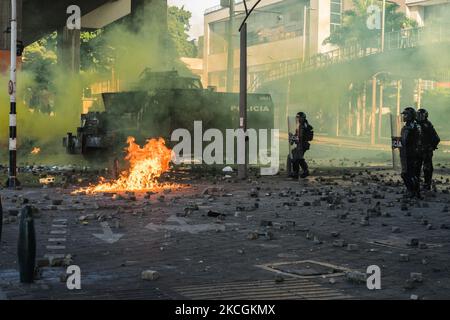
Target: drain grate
x=305 y=269
x=290 y=289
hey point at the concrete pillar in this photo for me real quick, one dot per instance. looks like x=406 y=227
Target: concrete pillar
x=5 y=23
x=319 y=26
x=69 y=49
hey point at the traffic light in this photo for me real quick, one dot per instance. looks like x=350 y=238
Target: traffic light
x=20 y=48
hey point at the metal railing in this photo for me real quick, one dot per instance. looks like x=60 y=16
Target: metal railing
x=395 y=40
x=218 y=8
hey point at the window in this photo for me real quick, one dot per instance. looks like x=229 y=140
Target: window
x=335 y=14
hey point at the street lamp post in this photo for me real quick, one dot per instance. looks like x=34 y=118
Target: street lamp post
x=230 y=58
x=305 y=17
x=374 y=107
x=12 y=179
x=242 y=168
x=383 y=25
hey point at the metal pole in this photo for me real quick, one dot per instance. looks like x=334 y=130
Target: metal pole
x=230 y=59
x=383 y=25
x=419 y=94
x=380 y=110
x=26 y=246
x=398 y=116
x=242 y=168
x=364 y=101
x=399 y=87
x=374 y=110
x=305 y=16
x=12 y=95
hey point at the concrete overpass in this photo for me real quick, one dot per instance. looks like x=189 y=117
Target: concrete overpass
x=36 y=18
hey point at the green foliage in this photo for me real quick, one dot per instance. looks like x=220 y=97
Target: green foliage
x=436 y=102
x=354 y=25
x=39 y=63
x=96 y=55
x=178 y=24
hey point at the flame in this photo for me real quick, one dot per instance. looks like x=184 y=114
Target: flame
x=146 y=166
x=35 y=150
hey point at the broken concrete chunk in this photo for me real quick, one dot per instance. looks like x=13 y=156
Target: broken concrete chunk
x=252 y=236
x=413 y=242
x=149 y=275
x=396 y=230
x=416 y=277
x=404 y=257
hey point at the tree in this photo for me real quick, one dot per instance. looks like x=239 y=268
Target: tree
x=354 y=25
x=39 y=63
x=179 y=26
x=95 y=53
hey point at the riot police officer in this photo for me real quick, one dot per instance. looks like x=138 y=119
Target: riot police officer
x=304 y=134
x=429 y=142
x=409 y=151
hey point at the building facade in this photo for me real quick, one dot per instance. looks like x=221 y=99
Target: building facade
x=284 y=31
x=427 y=12
x=279 y=31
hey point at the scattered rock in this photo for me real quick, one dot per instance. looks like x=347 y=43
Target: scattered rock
x=252 y=236
x=57 y=202
x=339 y=243
x=404 y=257
x=149 y=275
x=396 y=230
x=416 y=277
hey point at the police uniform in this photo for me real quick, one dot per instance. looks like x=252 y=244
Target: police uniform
x=429 y=142
x=409 y=154
x=304 y=134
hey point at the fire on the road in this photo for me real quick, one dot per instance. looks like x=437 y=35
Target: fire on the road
x=146 y=166
x=35 y=151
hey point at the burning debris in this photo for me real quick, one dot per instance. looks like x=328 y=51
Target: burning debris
x=35 y=151
x=147 y=164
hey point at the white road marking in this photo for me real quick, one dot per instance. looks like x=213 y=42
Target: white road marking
x=58 y=232
x=59 y=226
x=107 y=235
x=56 y=247
x=56 y=239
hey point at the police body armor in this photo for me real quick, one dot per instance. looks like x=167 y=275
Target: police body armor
x=409 y=152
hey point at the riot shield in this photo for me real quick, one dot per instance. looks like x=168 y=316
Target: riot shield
x=292 y=129
x=396 y=127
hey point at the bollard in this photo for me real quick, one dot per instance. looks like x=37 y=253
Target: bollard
x=116 y=169
x=1 y=219
x=26 y=248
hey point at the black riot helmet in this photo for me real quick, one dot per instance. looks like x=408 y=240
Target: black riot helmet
x=422 y=115
x=409 y=114
x=301 y=116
